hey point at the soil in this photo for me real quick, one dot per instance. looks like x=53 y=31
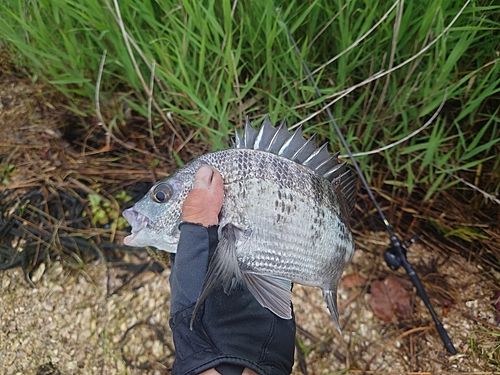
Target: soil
x=109 y=315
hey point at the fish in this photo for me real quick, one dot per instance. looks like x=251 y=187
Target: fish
x=284 y=217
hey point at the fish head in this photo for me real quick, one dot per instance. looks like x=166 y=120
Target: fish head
x=156 y=217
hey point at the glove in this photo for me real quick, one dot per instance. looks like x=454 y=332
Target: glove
x=229 y=329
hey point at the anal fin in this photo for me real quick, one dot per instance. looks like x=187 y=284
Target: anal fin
x=272 y=292
x=330 y=297
x=223 y=268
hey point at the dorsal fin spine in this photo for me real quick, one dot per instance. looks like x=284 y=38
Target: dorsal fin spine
x=249 y=134
x=311 y=142
x=287 y=148
x=314 y=155
x=277 y=135
x=238 y=140
x=263 y=134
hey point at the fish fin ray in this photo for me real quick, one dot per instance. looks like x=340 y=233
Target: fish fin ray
x=272 y=292
x=330 y=296
x=281 y=136
x=239 y=141
x=318 y=157
x=348 y=186
x=306 y=150
x=328 y=164
x=265 y=135
x=223 y=268
x=249 y=134
x=336 y=171
x=292 y=144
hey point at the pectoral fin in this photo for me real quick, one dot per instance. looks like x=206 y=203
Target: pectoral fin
x=330 y=297
x=272 y=292
x=223 y=268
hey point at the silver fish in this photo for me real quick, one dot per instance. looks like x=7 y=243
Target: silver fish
x=284 y=219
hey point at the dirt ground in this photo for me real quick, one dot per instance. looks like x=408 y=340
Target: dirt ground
x=102 y=317
x=70 y=322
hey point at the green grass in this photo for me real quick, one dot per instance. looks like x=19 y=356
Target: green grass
x=217 y=61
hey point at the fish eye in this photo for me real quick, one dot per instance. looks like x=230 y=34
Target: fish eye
x=162 y=193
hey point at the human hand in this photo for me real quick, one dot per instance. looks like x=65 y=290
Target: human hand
x=204 y=201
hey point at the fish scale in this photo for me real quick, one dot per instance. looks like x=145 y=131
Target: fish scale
x=284 y=217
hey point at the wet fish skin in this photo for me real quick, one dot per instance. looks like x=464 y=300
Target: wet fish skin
x=157 y=223
x=281 y=221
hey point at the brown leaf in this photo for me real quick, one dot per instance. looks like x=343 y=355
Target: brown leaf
x=389 y=298
x=353 y=280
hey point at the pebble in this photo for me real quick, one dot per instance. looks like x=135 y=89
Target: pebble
x=37 y=274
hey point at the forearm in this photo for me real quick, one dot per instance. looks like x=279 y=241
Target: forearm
x=213 y=371
x=190 y=263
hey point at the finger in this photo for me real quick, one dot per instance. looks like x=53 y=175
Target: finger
x=216 y=183
x=203 y=177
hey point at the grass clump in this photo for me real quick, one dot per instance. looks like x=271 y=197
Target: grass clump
x=384 y=69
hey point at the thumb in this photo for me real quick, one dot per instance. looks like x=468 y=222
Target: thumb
x=203 y=178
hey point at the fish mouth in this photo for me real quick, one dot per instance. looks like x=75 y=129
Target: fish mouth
x=137 y=221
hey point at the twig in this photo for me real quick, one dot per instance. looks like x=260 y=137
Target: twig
x=150 y=99
x=300 y=357
x=38 y=244
x=481 y=321
x=323 y=342
x=97 y=101
x=431 y=120
x=139 y=51
x=237 y=89
x=127 y=45
x=326 y=26
x=233 y=8
x=472 y=186
x=384 y=17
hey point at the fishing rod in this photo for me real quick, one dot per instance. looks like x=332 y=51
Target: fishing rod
x=395 y=256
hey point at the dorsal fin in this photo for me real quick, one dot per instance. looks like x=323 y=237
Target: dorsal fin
x=293 y=146
x=249 y=135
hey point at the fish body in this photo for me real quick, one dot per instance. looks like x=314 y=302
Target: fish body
x=284 y=217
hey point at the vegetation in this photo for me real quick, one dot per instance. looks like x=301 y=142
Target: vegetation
x=386 y=69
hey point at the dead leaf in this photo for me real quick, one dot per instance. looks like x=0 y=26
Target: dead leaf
x=389 y=298
x=353 y=280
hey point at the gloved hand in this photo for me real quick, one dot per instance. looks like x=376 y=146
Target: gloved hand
x=231 y=332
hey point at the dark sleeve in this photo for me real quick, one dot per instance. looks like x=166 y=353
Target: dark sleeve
x=229 y=329
x=190 y=264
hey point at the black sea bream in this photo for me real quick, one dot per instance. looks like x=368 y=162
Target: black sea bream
x=284 y=219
